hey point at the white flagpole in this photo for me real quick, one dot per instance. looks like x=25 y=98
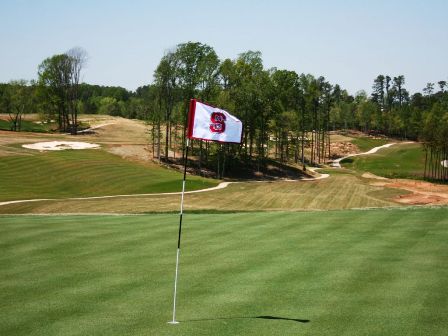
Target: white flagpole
x=180 y=232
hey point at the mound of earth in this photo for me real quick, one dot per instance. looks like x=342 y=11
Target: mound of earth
x=344 y=148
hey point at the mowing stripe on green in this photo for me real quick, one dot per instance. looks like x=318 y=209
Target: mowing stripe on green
x=363 y=272
x=75 y=173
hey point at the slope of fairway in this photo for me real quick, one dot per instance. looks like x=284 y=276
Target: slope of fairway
x=374 y=272
x=406 y=160
x=341 y=190
x=367 y=143
x=74 y=173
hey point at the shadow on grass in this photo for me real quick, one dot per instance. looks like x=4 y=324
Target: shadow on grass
x=262 y=317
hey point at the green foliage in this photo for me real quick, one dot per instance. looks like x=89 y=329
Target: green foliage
x=286 y=115
x=59 y=77
x=315 y=273
x=15 y=100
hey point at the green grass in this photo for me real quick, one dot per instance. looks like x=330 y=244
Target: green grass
x=344 y=190
x=26 y=126
x=397 y=161
x=375 y=272
x=73 y=173
x=366 y=143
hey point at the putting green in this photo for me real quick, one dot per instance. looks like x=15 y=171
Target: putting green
x=371 y=272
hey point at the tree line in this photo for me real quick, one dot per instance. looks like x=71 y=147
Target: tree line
x=287 y=116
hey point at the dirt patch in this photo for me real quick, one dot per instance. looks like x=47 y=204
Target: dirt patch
x=340 y=149
x=27 y=116
x=373 y=176
x=132 y=152
x=422 y=192
x=420 y=199
x=116 y=130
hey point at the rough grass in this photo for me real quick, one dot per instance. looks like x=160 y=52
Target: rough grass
x=366 y=143
x=26 y=126
x=73 y=173
x=375 y=272
x=405 y=160
x=341 y=191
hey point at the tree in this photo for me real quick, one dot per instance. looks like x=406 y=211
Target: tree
x=196 y=61
x=166 y=80
x=77 y=58
x=399 y=81
x=378 y=93
x=429 y=89
x=59 y=78
x=16 y=101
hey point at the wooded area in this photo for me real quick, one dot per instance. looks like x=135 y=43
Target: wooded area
x=287 y=116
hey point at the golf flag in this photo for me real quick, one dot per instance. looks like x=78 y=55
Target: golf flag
x=206 y=122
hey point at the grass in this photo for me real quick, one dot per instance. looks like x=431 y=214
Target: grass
x=73 y=173
x=366 y=143
x=26 y=126
x=343 y=190
x=398 y=161
x=375 y=272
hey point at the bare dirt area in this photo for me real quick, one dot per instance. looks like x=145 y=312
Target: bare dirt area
x=124 y=137
x=341 y=142
x=109 y=130
x=343 y=148
x=421 y=192
x=27 y=116
x=373 y=176
x=132 y=152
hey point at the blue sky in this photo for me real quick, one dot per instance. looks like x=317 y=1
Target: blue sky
x=348 y=42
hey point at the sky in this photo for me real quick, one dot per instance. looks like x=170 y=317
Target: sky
x=348 y=42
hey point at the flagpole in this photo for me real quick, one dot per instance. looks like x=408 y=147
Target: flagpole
x=180 y=233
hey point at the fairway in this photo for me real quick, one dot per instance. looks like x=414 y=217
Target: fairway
x=351 y=272
x=74 y=173
x=404 y=160
x=365 y=144
x=342 y=190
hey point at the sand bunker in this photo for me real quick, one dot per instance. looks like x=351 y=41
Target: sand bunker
x=60 y=145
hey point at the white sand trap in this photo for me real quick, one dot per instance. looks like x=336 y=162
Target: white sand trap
x=60 y=145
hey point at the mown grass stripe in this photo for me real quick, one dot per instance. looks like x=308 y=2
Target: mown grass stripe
x=349 y=272
x=85 y=173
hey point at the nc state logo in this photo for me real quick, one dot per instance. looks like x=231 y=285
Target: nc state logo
x=218 y=124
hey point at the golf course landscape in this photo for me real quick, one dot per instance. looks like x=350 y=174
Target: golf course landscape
x=219 y=168
x=351 y=272
x=333 y=256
